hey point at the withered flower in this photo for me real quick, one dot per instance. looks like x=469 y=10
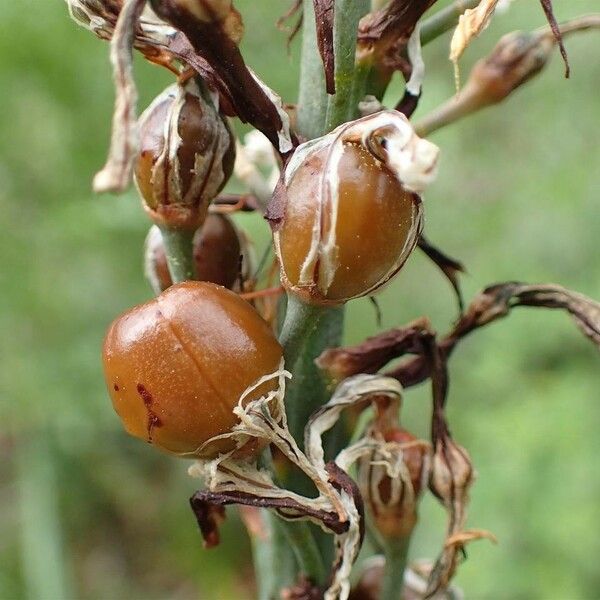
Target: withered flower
x=347 y=212
x=186 y=156
x=391 y=480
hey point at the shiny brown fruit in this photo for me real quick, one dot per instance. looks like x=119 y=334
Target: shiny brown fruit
x=176 y=366
x=352 y=213
x=186 y=156
x=220 y=255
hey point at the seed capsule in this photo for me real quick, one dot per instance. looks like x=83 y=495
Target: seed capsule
x=352 y=213
x=221 y=255
x=392 y=479
x=176 y=366
x=186 y=156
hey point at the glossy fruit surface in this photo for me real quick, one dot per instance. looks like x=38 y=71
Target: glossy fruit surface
x=376 y=222
x=347 y=211
x=217 y=254
x=176 y=366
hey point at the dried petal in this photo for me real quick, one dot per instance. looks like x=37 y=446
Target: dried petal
x=338 y=506
x=116 y=174
x=470 y=24
x=375 y=352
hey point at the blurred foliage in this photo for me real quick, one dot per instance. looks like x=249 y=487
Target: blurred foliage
x=88 y=513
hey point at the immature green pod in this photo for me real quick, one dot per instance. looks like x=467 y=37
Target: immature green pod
x=349 y=208
x=186 y=156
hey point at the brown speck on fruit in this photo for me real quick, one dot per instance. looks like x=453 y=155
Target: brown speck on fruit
x=116 y=387
x=153 y=418
x=145 y=394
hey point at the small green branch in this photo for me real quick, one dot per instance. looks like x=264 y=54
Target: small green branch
x=179 y=249
x=396 y=554
x=444 y=20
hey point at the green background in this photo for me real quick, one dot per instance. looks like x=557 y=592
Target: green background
x=87 y=512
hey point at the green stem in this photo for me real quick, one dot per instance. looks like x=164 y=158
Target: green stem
x=444 y=20
x=300 y=322
x=300 y=537
x=307 y=330
x=396 y=555
x=340 y=107
x=179 y=249
x=312 y=97
x=469 y=101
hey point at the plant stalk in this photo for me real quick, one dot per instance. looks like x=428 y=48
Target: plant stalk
x=396 y=554
x=312 y=97
x=467 y=102
x=340 y=106
x=179 y=250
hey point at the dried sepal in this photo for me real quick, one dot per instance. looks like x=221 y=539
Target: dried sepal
x=470 y=24
x=356 y=187
x=375 y=352
x=116 y=174
x=338 y=505
x=151 y=35
x=384 y=34
x=324 y=17
x=489 y=305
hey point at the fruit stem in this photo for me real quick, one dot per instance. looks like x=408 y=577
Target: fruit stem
x=179 y=250
x=396 y=553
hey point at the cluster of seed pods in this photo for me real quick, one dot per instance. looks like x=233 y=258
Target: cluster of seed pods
x=351 y=214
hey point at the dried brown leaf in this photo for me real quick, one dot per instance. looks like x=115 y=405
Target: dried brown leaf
x=324 y=16
x=375 y=352
x=383 y=35
x=251 y=99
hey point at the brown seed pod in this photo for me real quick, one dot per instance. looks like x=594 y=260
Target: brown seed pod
x=177 y=366
x=352 y=213
x=391 y=481
x=186 y=156
x=221 y=255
